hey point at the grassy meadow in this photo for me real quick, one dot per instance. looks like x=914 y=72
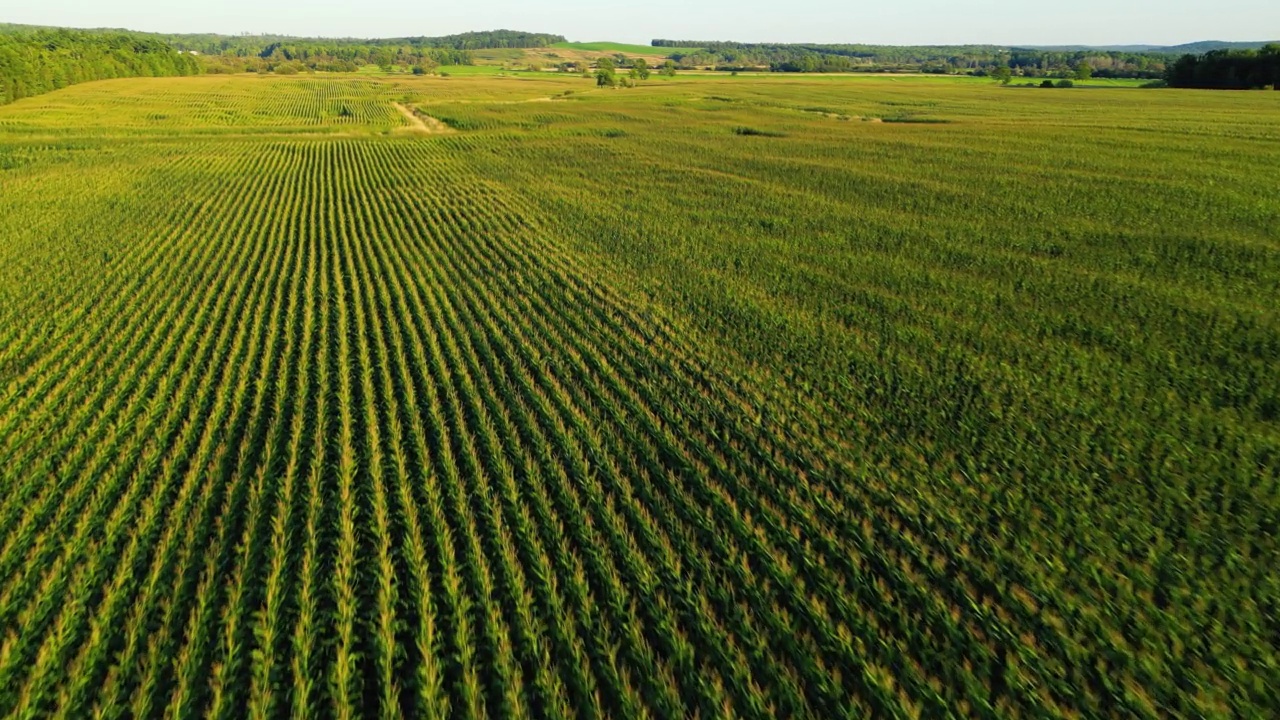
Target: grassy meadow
x=508 y=396
x=629 y=49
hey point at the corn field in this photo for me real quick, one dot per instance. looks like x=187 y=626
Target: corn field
x=306 y=412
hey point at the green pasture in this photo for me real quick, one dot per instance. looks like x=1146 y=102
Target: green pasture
x=613 y=47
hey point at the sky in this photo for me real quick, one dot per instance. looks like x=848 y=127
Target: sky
x=950 y=22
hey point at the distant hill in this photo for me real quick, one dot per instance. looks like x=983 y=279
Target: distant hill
x=520 y=39
x=207 y=42
x=1088 y=48
x=1205 y=46
x=1194 y=48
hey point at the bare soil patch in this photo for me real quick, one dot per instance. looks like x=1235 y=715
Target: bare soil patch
x=422 y=122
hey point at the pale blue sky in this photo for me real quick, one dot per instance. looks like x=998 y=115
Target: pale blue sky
x=1095 y=22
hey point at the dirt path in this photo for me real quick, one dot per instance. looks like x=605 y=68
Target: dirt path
x=421 y=122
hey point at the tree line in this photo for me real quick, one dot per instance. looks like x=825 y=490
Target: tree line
x=27 y=69
x=42 y=60
x=284 y=54
x=1228 y=70
x=325 y=56
x=250 y=45
x=955 y=59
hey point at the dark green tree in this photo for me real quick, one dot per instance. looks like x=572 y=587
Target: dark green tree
x=1227 y=69
x=1270 y=55
x=39 y=61
x=604 y=73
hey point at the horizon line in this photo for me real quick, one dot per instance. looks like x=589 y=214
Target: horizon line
x=247 y=33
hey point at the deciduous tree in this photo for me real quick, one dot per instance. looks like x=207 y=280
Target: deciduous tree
x=604 y=73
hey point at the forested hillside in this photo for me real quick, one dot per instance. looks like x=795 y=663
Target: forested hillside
x=282 y=54
x=292 y=55
x=39 y=61
x=1205 y=46
x=214 y=44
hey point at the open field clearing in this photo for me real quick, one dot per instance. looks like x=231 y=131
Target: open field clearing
x=613 y=47
x=717 y=397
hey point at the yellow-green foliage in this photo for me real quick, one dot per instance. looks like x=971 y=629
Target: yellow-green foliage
x=827 y=397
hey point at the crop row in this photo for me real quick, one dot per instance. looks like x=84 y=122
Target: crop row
x=353 y=443
x=354 y=426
